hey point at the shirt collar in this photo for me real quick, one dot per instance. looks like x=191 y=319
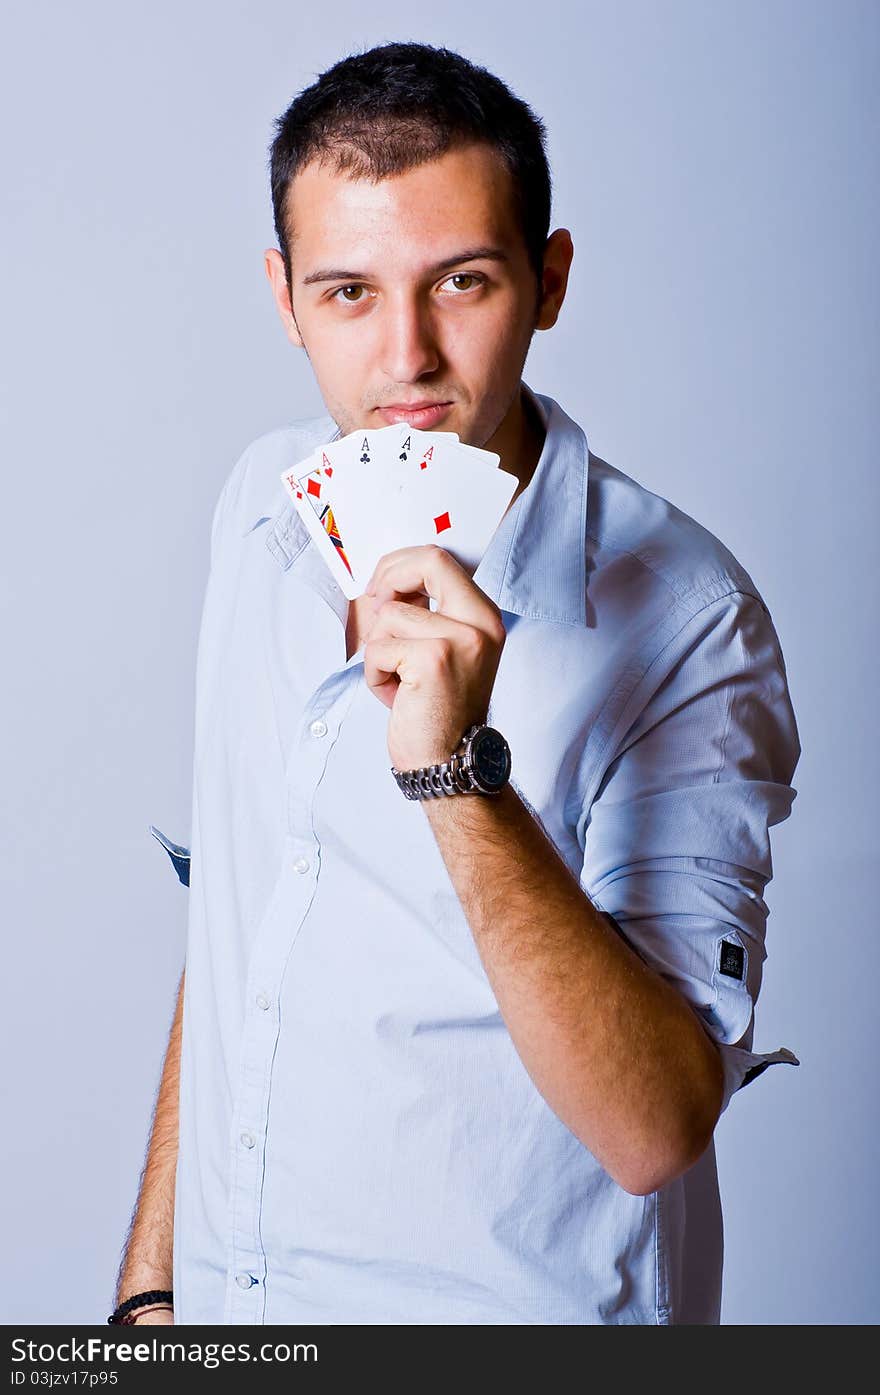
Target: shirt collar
x=535 y=565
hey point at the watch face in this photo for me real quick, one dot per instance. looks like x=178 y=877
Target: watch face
x=491 y=758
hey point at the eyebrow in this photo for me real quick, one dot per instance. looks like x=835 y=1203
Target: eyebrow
x=472 y=254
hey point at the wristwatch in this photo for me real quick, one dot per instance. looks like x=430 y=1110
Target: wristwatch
x=480 y=764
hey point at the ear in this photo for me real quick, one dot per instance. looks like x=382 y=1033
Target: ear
x=274 y=263
x=558 y=255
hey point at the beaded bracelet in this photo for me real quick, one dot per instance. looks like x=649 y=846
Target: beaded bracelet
x=121 y=1316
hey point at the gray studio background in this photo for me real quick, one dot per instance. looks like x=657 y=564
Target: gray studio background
x=719 y=341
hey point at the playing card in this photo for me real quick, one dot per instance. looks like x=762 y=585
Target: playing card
x=308 y=486
x=453 y=500
x=372 y=472
x=363 y=496
x=372 y=492
x=410 y=440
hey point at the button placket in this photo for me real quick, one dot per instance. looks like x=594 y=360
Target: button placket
x=273 y=945
x=246 y=1301
x=331 y=700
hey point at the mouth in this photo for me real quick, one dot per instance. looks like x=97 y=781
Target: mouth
x=422 y=415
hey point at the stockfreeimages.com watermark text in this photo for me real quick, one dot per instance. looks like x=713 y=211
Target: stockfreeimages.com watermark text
x=207 y=1354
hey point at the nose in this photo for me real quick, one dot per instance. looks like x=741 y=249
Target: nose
x=409 y=348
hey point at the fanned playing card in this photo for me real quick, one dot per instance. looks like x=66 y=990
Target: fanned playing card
x=308 y=485
x=372 y=492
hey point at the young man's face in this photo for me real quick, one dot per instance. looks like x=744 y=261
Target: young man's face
x=413 y=290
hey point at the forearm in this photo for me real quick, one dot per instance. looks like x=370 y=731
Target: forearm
x=617 y=1053
x=148 y=1259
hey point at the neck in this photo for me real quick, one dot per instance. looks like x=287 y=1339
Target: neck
x=519 y=441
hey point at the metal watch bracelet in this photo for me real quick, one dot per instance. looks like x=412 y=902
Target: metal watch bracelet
x=436 y=781
x=444 y=778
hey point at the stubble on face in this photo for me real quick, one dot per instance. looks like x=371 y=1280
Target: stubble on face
x=473 y=355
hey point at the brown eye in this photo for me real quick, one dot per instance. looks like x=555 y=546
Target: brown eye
x=345 y=290
x=463 y=276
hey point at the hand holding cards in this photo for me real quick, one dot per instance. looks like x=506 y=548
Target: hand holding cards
x=374 y=491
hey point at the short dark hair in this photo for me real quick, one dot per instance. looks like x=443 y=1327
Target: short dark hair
x=398 y=105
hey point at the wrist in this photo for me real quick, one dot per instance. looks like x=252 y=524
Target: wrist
x=160 y=1313
x=480 y=764
x=126 y=1312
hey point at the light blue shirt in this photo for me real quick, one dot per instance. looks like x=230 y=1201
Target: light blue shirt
x=359 y=1140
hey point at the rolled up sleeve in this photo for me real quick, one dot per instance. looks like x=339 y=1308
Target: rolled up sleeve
x=676 y=843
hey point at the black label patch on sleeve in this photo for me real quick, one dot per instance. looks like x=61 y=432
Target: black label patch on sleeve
x=732 y=959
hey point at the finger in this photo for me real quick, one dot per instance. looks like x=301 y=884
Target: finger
x=395 y=662
x=400 y=619
x=387 y=664
x=432 y=569
x=418 y=598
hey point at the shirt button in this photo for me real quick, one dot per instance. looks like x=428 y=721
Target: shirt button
x=262 y=1001
x=243 y=1280
x=248 y=1140
x=318 y=728
x=302 y=864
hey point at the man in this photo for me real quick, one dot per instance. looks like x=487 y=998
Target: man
x=457 y=1060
